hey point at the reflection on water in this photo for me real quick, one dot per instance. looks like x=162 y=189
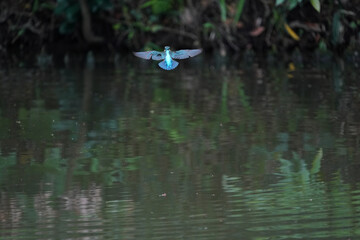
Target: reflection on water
x=208 y=153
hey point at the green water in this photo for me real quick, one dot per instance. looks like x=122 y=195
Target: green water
x=207 y=151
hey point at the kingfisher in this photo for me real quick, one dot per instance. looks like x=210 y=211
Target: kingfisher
x=168 y=56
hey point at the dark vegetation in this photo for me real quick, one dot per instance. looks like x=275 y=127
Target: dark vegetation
x=279 y=26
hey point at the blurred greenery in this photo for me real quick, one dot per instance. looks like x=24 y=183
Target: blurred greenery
x=160 y=6
x=71 y=12
x=228 y=26
x=291 y=4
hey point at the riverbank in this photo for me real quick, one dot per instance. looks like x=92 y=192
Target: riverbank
x=225 y=27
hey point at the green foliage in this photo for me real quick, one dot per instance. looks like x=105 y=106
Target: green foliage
x=322 y=46
x=99 y=5
x=21 y=32
x=133 y=22
x=70 y=10
x=281 y=12
x=315 y=4
x=291 y=4
x=239 y=10
x=316 y=164
x=222 y=5
x=208 y=26
x=159 y=6
x=35 y=6
x=296 y=168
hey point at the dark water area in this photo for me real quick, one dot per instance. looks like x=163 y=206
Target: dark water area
x=211 y=150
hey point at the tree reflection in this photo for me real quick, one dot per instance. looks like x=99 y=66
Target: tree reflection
x=251 y=139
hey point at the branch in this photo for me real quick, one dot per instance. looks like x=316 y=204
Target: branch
x=86 y=24
x=179 y=32
x=309 y=27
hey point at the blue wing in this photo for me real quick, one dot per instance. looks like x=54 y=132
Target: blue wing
x=182 y=54
x=154 y=55
x=173 y=64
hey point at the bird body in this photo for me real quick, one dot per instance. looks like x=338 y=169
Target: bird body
x=168 y=56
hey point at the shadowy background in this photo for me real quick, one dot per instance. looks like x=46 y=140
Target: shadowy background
x=58 y=27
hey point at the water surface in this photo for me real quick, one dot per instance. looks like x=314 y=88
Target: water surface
x=206 y=151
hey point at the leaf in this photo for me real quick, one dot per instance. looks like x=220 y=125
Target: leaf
x=146 y=4
x=100 y=5
x=291 y=67
x=94 y=167
x=257 y=31
x=239 y=9
x=291 y=32
x=315 y=4
x=35 y=6
x=279 y=2
x=222 y=6
x=61 y=7
x=292 y=4
x=353 y=25
x=21 y=32
x=158 y=6
x=156 y=28
x=285 y=167
x=208 y=25
x=116 y=26
x=176 y=136
x=316 y=164
x=66 y=28
x=72 y=13
x=131 y=35
x=322 y=46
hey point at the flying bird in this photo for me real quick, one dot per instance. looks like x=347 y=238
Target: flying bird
x=168 y=56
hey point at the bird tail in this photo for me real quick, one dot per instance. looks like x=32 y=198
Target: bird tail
x=172 y=65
